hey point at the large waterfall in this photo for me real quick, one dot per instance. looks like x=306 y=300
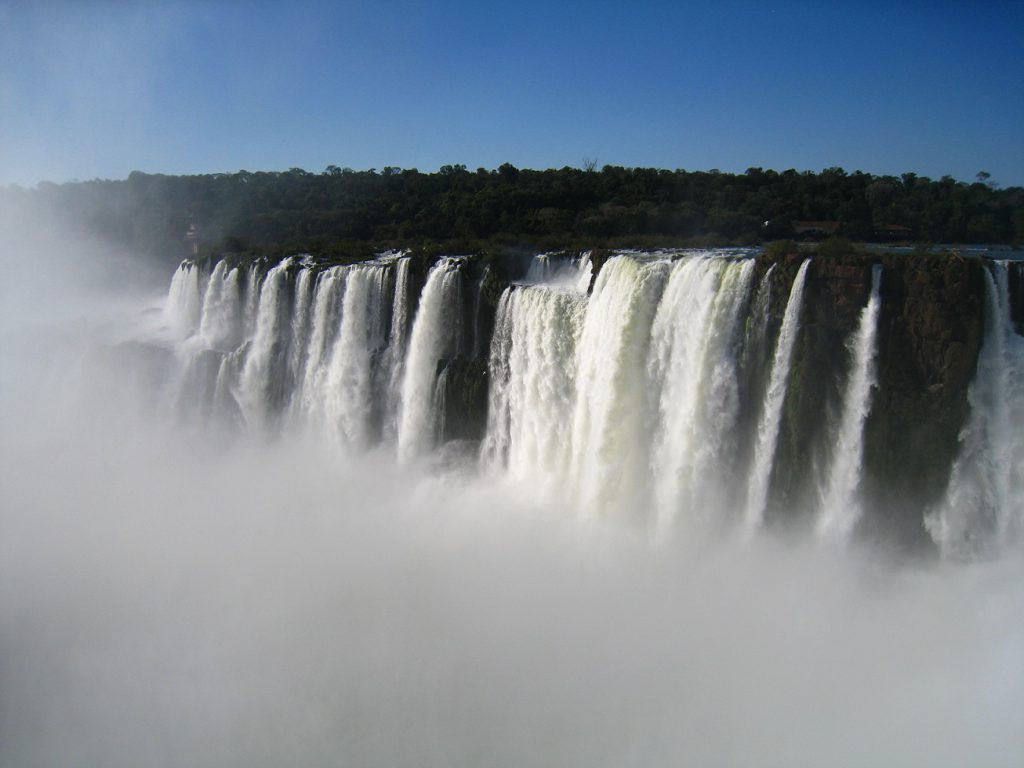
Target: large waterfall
x=694 y=369
x=533 y=382
x=265 y=376
x=659 y=392
x=436 y=333
x=578 y=509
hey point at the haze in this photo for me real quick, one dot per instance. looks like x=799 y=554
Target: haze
x=172 y=594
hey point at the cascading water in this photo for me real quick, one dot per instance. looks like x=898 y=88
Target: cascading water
x=654 y=392
x=308 y=398
x=579 y=386
x=494 y=451
x=692 y=366
x=221 y=323
x=263 y=382
x=533 y=389
x=608 y=460
x=771 y=410
x=584 y=272
x=253 y=285
x=532 y=370
x=983 y=509
x=305 y=285
x=435 y=336
x=840 y=507
x=397 y=345
x=400 y=310
x=374 y=610
x=183 y=309
x=226 y=408
x=560 y=270
x=348 y=394
x=540 y=269
x=757 y=325
x=213 y=299
x=323 y=345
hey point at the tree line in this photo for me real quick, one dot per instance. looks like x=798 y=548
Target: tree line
x=344 y=212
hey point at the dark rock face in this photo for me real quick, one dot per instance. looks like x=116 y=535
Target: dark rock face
x=835 y=292
x=930 y=329
x=464 y=399
x=463 y=380
x=1015 y=276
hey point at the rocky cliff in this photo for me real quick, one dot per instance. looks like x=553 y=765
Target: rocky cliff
x=930 y=331
x=333 y=343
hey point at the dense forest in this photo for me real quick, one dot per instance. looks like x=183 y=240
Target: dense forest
x=348 y=213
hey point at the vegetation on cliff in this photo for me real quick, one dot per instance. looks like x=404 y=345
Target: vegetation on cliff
x=345 y=213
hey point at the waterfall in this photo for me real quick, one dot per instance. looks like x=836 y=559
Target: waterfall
x=210 y=552
x=253 y=284
x=983 y=508
x=195 y=396
x=840 y=507
x=347 y=394
x=540 y=269
x=305 y=284
x=693 y=369
x=608 y=460
x=494 y=451
x=209 y=317
x=635 y=386
x=221 y=322
x=263 y=382
x=533 y=389
x=757 y=325
x=183 y=309
x=226 y=408
x=397 y=344
x=400 y=307
x=439 y=403
x=319 y=351
x=309 y=397
x=435 y=336
x=771 y=409
x=584 y=273
x=560 y=270
x=659 y=392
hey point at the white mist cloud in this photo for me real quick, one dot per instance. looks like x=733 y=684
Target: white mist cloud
x=169 y=598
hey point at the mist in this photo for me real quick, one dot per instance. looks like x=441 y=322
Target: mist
x=174 y=595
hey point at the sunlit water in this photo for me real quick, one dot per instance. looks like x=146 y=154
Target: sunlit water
x=237 y=590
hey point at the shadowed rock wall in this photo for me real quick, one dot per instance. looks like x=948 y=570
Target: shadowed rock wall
x=930 y=331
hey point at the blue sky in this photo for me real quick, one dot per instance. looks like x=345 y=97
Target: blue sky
x=98 y=89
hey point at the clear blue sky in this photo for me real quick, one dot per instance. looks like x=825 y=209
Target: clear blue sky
x=98 y=89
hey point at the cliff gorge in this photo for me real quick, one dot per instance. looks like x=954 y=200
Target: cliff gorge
x=677 y=379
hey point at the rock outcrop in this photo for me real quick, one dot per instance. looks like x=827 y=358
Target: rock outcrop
x=931 y=327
